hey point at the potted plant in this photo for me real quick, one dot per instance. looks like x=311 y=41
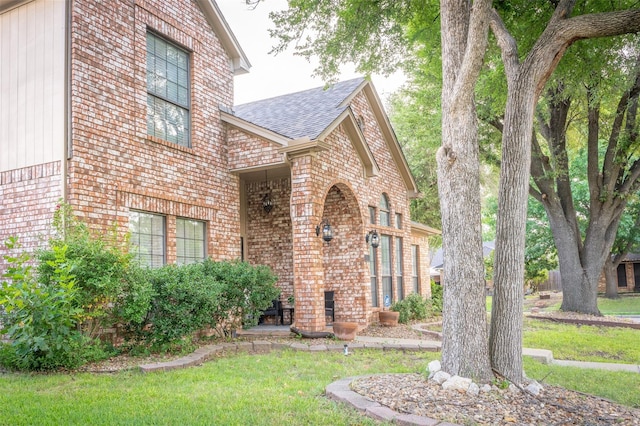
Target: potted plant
x=345 y=330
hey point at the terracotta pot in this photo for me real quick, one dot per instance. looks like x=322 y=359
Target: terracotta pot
x=389 y=318
x=345 y=330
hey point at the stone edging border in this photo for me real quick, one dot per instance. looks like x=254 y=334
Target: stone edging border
x=340 y=391
x=263 y=346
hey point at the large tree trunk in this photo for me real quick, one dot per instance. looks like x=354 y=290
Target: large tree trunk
x=465 y=350
x=506 y=318
x=611 y=279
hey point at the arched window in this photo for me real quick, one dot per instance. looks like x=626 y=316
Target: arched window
x=385 y=215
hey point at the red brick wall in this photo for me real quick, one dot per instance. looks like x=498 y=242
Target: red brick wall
x=269 y=240
x=313 y=177
x=29 y=197
x=115 y=166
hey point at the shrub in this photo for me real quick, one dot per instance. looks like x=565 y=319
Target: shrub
x=247 y=291
x=411 y=308
x=217 y=295
x=99 y=267
x=436 y=297
x=41 y=320
x=184 y=301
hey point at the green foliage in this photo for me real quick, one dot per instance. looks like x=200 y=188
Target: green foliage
x=247 y=291
x=41 y=319
x=411 y=308
x=436 y=297
x=100 y=267
x=209 y=295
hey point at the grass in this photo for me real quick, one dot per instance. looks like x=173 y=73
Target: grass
x=583 y=343
x=624 y=305
x=284 y=387
x=621 y=387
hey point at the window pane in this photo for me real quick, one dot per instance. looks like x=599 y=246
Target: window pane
x=373 y=271
x=398 y=221
x=384 y=211
x=168 y=91
x=147 y=238
x=372 y=215
x=190 y=244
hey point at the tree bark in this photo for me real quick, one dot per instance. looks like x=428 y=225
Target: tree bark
x=465 y=350
x=525 y=82
x=611 y=279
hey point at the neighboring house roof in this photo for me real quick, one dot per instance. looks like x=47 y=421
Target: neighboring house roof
x=632 y=257
x=421 y=229
x=311 y=115
x=437 y=261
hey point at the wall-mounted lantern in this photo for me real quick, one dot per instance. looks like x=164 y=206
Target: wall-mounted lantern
x=325 y=228
x=373 y=238
x=267 y=202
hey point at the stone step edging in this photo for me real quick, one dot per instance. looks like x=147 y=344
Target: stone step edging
x=263 y=346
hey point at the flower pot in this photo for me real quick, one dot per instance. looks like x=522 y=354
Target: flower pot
x=389 y=318
x=345 y=330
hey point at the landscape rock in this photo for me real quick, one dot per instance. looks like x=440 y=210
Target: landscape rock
x=440 y=377
x=433 y=367
x=486 y=388
x=457 y=383
x=473 y=389
x=534 y=388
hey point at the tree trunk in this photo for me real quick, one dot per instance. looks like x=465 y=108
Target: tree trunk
x=465 y=351
x=611 y=278
x=506 y=317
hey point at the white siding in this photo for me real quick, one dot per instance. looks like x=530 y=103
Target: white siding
x=32 y=45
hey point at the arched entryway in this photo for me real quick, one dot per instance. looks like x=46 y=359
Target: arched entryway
x=343 y=262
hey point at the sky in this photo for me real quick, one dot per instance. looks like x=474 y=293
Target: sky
x=285 y=73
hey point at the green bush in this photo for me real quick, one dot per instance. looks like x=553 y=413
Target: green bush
x=100 y=267
x=41 y=320
x=218 y=295
x=411 y=308
x=436 y=297
x=247 y=291
x=184 y=301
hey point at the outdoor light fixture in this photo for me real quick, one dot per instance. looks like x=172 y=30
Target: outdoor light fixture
x=267 y=202
x=327 y=233
x=373 y=238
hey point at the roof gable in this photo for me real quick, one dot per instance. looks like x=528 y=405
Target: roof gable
x=313 y=114
x=239 y=62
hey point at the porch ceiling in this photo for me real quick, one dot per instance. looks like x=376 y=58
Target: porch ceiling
x=256 y=174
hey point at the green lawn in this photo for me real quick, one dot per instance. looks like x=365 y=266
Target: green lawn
x=284 y=387
x=625 y=305
x=583 y=343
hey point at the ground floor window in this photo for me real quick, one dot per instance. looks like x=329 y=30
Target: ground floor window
x=148 y=238
x=190 y=241
x=386 y=270
x=415 y=277
x=373 y=270
x=399 y=262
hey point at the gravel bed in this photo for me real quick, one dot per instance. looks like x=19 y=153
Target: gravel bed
x=413 y=394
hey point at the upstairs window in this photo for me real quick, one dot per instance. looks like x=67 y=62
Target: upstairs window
x=385 y=215
x=167 y=91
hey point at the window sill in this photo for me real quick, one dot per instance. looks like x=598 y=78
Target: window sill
x=171 y=145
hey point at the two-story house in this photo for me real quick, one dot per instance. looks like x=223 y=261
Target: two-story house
x=124 y=109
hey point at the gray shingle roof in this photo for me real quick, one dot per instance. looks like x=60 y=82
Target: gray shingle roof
x=299 y=114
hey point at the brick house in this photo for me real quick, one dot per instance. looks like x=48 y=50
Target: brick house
x=124 y=109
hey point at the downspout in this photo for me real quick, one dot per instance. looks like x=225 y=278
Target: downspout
x=67 y=145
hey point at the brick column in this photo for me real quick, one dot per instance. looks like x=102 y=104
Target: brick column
x=307 y=204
